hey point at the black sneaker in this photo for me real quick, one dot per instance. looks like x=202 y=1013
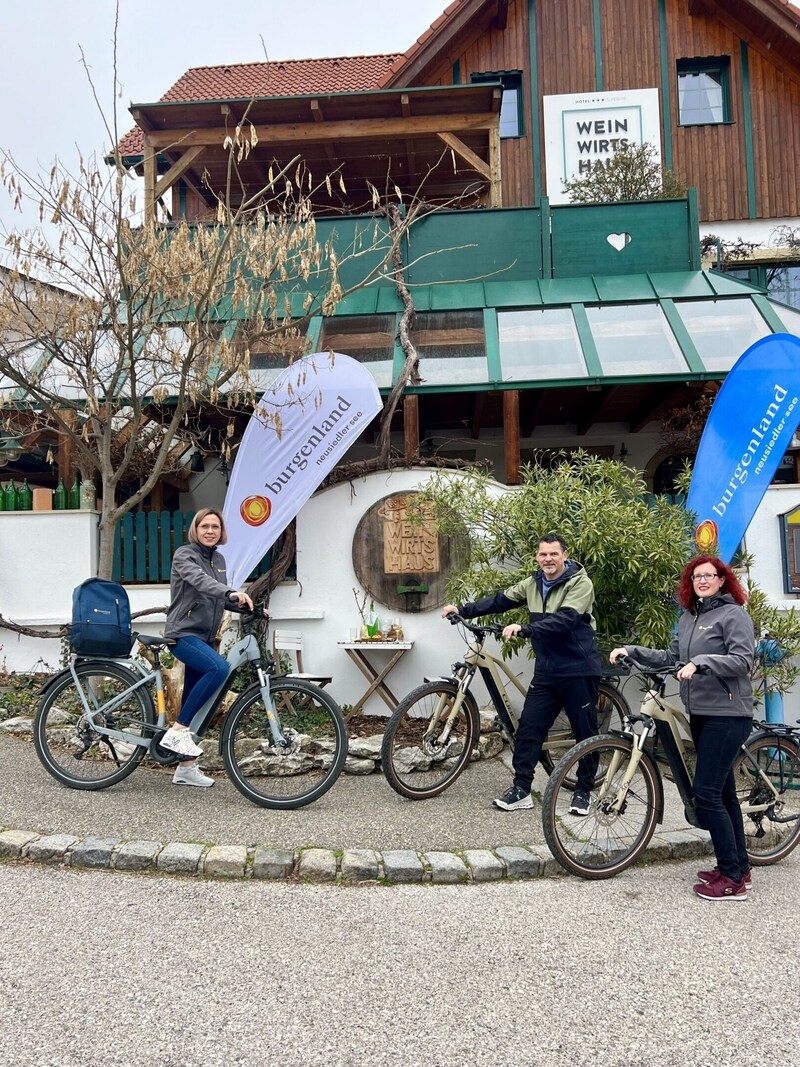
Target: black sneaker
x=516 y=799
x=580 y=803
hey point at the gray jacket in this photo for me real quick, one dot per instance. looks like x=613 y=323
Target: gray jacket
x=717 y=635
x=198 y=587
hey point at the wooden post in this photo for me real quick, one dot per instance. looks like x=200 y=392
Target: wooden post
x=495 y=181
x=66 y=451
x=511 y=435
x=411 y=425
x=150 y=177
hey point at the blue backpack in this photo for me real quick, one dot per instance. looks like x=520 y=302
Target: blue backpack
x=101 y=619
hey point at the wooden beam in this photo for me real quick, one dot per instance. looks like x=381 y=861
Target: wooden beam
x=318 y=115
x=511 y=435
x=411 y=425
x=477 y=415
x=149 y=180
x=469 y=157
x=177 y=170
x=495 y=178
x=339 y=130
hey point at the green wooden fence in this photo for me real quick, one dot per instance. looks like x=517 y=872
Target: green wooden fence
x=145 y=541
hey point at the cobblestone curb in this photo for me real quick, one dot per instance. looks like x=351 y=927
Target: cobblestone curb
x=320 y=865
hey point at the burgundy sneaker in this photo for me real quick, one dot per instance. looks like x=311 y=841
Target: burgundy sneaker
x=721 y=888
x=709 y=876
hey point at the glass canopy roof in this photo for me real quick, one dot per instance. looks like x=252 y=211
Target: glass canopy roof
x=690 y=325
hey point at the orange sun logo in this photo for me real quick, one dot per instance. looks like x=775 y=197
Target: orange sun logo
x=255 y=510
x=706 y=536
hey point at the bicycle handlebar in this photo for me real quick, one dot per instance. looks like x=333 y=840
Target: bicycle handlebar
x=457 y=620
x=655 y=672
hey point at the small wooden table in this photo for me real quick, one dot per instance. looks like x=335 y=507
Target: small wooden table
x=357 y=651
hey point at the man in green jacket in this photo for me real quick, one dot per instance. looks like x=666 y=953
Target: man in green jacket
x=560 y=600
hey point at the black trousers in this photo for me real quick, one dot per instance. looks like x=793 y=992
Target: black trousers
x=545 y=699
x=717 y=739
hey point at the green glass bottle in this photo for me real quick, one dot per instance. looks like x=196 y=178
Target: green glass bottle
x=25 y=497
x=60 y=496
x=2 y=498
x=10 y=496
x=75 y=495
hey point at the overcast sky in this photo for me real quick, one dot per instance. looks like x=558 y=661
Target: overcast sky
x=46 y=105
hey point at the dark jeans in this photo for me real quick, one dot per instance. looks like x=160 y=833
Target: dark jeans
x=717 y=739
x=543 y=703
x=205 y=672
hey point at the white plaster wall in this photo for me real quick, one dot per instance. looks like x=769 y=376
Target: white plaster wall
x=45 y=555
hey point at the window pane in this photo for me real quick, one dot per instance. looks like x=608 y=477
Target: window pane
x=509 y=113
x=790 y=319
x=722 y=329
x=367 y=338
x=451 y=347
x=539 y=345
x=700 y=97
x=784 y=283
x=634 y=339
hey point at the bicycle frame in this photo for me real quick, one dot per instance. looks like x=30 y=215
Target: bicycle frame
x=663 y=720
x=491 y=667
x=245 y=650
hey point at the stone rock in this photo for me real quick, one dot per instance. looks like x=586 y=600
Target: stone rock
x=446 y=868
x=273 y=863
x=13 y=843
x=137 y=855
x=402 y=865
x=225 y=861
x=359 y=865
x=180 y=857
x=94 y=852
x=489 y=720
x=484 y=865
x=317 y=865
x=366 y=747
x=19 y=726
x=489 y=746
x=358 y=766
x=520 y=862
x=52 y=848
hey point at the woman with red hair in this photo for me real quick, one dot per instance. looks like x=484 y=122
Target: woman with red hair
x=715 y=647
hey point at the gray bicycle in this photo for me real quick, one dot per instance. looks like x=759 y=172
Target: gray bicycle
x=283 y=742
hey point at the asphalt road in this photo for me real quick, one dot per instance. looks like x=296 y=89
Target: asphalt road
x=103 y=969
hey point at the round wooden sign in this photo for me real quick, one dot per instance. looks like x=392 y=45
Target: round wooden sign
x=404 y=564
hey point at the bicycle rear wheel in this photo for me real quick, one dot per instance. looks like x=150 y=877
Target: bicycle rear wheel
x=312 y=760
x=423 y=751
x=611 y=836
x=612 y=707
x=768 y=839
x=67 y=744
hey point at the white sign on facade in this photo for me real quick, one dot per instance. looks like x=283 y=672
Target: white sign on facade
x=583 y=131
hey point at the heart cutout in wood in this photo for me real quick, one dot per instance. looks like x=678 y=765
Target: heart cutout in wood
x=619 y=240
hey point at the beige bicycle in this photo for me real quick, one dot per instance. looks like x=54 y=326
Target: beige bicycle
x=432 y=733
x=627 y=798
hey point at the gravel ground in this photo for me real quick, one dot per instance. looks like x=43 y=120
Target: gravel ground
x=107 y=969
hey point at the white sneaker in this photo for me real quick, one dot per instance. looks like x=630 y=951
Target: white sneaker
x=180 y=741
x=191 y=776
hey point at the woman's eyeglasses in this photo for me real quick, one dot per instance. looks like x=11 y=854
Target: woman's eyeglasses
x=704 y=577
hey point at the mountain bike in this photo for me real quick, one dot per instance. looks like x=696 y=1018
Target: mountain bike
x=430 y=736
x=283 y=742
x=627 y=799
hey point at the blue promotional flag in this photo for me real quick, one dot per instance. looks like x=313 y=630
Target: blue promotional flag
x=749 y=428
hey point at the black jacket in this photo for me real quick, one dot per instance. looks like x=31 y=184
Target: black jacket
x=561 y=627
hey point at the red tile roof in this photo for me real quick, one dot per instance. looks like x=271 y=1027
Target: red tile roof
x=290 y=77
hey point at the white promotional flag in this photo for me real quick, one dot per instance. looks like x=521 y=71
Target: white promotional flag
x=322 y=404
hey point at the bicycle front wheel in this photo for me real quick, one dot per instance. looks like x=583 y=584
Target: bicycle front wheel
x=66 y=741
x=306 y=767
x=771 y=819
x=425 y=746
x=621 y=819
